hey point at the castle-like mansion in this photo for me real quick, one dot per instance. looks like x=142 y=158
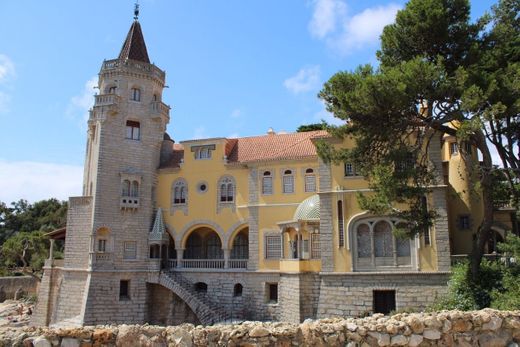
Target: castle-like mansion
x=220 y=229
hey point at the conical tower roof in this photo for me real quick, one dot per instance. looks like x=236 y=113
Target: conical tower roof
x=134 y=47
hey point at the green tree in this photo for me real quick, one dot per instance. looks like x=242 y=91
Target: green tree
x=27 y=250
x=427 y=85
x=311 y=127
x=44 y=215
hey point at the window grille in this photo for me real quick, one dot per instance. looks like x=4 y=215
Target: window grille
x=273 y=247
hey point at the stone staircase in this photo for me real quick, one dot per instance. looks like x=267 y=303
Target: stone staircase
x=207 y=311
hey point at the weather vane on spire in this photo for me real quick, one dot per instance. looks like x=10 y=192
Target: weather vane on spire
x=136 y=10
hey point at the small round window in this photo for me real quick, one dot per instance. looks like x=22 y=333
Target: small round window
x=202 y=187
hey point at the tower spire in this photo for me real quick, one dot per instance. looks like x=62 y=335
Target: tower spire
x=134 y=46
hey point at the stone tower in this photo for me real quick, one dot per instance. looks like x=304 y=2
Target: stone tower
x=114 y=216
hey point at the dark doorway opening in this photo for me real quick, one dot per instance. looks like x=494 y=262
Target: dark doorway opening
x=384 y=301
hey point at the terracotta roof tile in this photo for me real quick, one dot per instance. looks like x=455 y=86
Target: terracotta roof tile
x=134 y=47
x=275 y=147
x=293 y=146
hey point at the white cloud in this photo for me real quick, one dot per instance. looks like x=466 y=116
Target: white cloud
x=305 y=80
x=344 y=33
x=6 y=68
x=36 y=181
x=364 y=28
x=236 y=113
x=81 y=103
x=325 y=16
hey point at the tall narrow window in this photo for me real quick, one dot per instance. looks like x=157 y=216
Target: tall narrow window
x=315 y=246
x=125 y=189
x=310 y=180
x=273 y=293
x=135 y=94
x=134 y=191
x=267 y=183
x=341 y=229
x=124 y=290
x=288 y=181
x=133 y=130
x=383 y=240
x=102 y=245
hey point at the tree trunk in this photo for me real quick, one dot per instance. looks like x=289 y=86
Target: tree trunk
x=486 y=184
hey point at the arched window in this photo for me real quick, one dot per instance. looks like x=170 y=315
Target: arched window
x=134 y=191
x=135 y=94
x=155 y=97
x=376 y=247
x=180 y=190
x=288 y=181
x=125 y=189
x=237 y=290
x=383 y=239
x=112 y=90
x=310 y=180
x=227 y=190
x=267 y=183
x=364 y=246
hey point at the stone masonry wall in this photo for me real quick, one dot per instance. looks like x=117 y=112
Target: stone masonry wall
x=166 y=308
x=352 y=294
x=12 y=286
x=487 y=328
x=79 y=226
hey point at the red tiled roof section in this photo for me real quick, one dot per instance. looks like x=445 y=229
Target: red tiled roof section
x=134 y=47
x=275 y=147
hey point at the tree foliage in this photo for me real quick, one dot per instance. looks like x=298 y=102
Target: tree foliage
x=44 y=215
x=27 y=250
x=439 y=74
x=311 y=127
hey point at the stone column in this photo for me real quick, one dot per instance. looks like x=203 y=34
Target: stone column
x=227 y=252
x=326 y=222
x=180 y=252
x=254 y=252
x=442 y=236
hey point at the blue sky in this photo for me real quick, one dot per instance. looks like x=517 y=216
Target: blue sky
x=234 y=68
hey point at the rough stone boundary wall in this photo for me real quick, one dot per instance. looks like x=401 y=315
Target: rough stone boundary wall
x=14 y=287
x=488 y=328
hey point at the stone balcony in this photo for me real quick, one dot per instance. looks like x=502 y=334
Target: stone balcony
x=110 y=102
x=129 y=202
x=129 y=65
x=159 y=109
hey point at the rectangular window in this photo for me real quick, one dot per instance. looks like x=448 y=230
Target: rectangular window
x=310 y=183
x=273 y=247
x=350 y=170
x=464 y=222
x=203 y=152
x=315 y=246
x=288 y=184
x=124 y=290
x=384 y=301
x=102 y=245
x=130 y=250
x=267 y=185
x=454 y=148
x=272 y=293
x=133 y=130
